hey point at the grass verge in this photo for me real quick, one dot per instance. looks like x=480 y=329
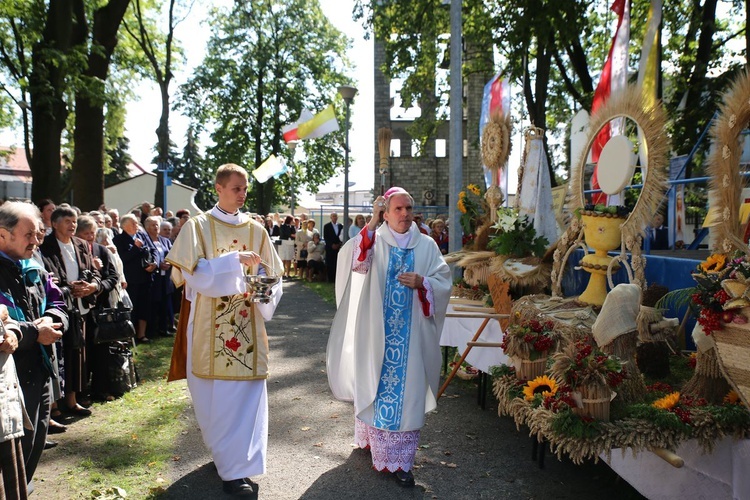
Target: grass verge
x=325 y=290
x=126 y=446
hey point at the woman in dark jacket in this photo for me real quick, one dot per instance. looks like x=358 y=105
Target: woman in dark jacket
x=69 y=259
x=132 y=250
x=98 y=353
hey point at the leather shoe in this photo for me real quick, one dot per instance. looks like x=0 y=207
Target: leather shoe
x=142 y=340
x=166 y=333
x=49 y=444
x=404 y=479
x=56 y=427
x=78 y=410
x=240 y=488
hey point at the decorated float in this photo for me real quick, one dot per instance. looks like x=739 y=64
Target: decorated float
x=600 y=374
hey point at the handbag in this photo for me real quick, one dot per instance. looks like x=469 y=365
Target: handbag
x=113 y=324
x=147 y=260
x=121 y=374
x=303 y=254
x=73 y=337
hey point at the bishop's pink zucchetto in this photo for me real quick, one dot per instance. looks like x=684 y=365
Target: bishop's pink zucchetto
x=394 y=190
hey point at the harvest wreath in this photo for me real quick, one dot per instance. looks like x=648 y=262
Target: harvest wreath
x=664 y=420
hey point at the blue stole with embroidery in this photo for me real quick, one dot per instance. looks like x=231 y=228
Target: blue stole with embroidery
x=397 y=303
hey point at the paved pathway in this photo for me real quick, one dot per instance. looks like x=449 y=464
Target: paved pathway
x=467 y=452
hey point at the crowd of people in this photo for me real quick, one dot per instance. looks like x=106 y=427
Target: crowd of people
x=307 y=255
x=60 y=266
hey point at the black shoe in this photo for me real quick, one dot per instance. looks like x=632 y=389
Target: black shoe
x=49 y=444
x=56 y=428
x=164 y=333
x=142 y=340
x=239 y=488
x=404 y=479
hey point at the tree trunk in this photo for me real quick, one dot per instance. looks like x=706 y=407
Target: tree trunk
x=162 y=135
x=88 y=159
x=48 y=109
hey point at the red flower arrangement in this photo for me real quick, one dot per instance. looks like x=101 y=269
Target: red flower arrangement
x=581 y=364
x=530 y=340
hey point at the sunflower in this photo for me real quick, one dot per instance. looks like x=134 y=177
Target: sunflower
x=474 y=189
x=543 y=385
x=461 y=206
x=714 y=263
x=461 y=195
x=732 y=398
x=667 y=402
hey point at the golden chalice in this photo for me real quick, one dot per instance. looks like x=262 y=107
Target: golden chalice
x=602 y=233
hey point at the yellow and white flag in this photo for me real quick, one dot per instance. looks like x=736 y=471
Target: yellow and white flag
x=648 y=69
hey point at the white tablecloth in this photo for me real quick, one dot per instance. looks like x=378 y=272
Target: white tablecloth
x=458 y=331
x=724 y=474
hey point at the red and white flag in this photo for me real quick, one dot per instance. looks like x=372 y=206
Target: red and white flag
x=614 y=78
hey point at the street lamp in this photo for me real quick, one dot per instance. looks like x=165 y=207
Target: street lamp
x=292 y=145
x=347 y=92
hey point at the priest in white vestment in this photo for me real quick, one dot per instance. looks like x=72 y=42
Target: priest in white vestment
x=392 y=291
x=227 y=346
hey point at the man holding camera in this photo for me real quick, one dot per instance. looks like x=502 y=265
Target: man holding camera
x=36 y=303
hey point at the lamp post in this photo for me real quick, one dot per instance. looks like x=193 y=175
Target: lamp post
x=165 y=168
x=292 y=145
x=347 y=92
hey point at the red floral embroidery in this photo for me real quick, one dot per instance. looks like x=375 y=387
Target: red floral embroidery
x=233 y=344
x=243 y=313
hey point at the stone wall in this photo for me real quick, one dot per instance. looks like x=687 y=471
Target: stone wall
x=419 y=175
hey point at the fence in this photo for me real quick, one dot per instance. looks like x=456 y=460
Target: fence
x=322 y=214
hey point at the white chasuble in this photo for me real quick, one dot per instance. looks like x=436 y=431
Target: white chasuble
x=384 y=350
x=229 y=339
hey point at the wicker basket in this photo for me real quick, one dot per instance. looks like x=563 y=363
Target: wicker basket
x=733 y=346
x=529 y=370
x=596 y=400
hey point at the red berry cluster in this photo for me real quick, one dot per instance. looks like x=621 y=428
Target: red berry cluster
x=584 y=351
x=543 y=343
x=710 y=320
x=614 y=379
x=721 y=296
x=660 y=387
x=561 y=400
x=536 y=326
x=682 y=414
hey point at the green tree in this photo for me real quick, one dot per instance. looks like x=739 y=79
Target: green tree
x=192 y=171
x=554 y=50
x=159 y=48
x=266 y=61
x=118 y=160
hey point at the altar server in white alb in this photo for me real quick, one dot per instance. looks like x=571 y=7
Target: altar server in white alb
x=227 y=346
x=384 y=348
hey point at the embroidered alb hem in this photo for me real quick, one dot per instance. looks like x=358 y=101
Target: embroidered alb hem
x=390 y=450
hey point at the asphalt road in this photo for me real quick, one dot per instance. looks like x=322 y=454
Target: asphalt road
x=467 y=452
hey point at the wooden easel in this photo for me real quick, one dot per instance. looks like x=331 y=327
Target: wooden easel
x=475 y=309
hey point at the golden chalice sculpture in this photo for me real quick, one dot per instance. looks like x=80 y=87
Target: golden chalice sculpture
x=602 y=233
